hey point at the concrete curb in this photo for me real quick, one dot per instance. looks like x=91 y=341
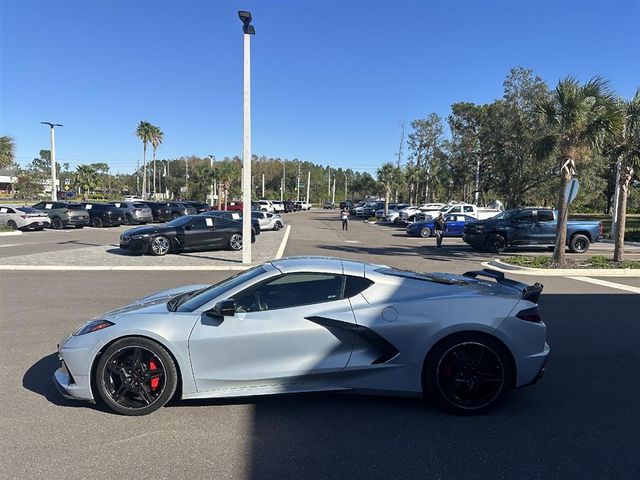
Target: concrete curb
x=123 y=268
x=631 y=244
x=500 y=266
x=10 y=234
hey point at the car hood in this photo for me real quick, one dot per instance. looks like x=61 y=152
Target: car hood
x=154 y=303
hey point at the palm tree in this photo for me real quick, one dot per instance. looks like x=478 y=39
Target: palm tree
x=144 y=132
x=225 y=173
x=387 y=176
x=627 y=149
x=7 y=151
x=85 y=179
x=157 y=137
x=578 y=117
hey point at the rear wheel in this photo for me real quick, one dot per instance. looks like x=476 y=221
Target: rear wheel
x=277 y=226
x=96 y=222
x=468 y=373
x=56 y=223
x=12 y=225
x=159 y=246
x=128 y=219
x=425 y=232
x=136 y=376
x=496 y=243
x=235 y=242
x=579 y=243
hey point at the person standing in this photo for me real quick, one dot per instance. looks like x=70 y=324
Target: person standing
x=344 y=216
x=438 y=226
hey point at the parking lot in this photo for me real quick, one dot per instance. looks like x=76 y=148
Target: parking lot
x=579 y=421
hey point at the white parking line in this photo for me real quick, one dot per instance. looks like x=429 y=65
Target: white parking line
x=11 y=245
x=605 y=283
x=283 y=244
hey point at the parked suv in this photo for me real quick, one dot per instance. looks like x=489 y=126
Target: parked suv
x=105 y=215
x=64 y=213
x=134 y=212
x=160 y=211
x=200 y=207
x=179 y=209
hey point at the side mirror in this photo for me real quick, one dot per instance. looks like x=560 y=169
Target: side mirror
x=188 y=227
x=225 y=308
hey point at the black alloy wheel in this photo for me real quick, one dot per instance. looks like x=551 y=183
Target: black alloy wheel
x=12 y=225
x=468 y=374
x=579 y=243
x=56 y=223
x=277 y=226
x=135 y=376
x=425 y=232
x=128 y=219
x=496 y=243
x=96 y=222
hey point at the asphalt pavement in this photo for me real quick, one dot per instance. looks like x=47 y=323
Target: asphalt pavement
x=579 y=421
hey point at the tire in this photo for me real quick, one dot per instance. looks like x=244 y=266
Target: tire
x=159 y=246
x=579 y=243
x=79 y=226
x=56 y=223
x=12 y=225
x=135 y=376
x=468 y=373
x=277 y=226
x=235 y=242
x=128 y=219
x=496 y=243
x=96 y=222
x=425 y=232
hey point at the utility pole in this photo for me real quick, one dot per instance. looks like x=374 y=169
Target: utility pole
x=54 y=190
x=211 y=157
x=400 y=148
x=329 y=184
x=247 y=30
x=298 y=187
x=263 y=185
x=345 y=186
x=308 y=185
x=186 y=177
x=333 y=195
x=284 y=180
x=614 y=216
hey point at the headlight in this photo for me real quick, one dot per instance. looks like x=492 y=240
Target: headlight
x=138 y=237
x=479 y=227
x=92 y=326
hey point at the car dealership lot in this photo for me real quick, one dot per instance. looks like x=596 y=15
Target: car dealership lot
x=580 y=421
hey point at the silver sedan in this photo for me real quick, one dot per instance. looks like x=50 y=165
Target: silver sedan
x=305 y=324
x=23 y=218
x=268 y=221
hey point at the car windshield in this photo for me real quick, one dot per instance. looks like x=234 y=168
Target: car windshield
x=179 y=222
x=220 y=288
x=27 y=210
x=507 y=214
x=74 y=206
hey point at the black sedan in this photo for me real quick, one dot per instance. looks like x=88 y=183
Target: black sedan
x=187 y=233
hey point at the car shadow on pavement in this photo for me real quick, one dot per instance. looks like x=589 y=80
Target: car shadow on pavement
x=39 y=379
x=431 y=252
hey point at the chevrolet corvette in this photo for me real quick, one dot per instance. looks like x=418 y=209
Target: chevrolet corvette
x=308 y=324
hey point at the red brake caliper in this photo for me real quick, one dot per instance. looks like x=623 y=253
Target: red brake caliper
x=154 y=381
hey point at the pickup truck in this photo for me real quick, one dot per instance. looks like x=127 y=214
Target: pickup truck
x=410 y=214
x=529 y=226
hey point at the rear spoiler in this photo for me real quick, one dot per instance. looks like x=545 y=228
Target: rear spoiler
x=528 y=292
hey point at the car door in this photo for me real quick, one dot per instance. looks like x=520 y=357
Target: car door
x=545 y=227
x=454 y=225
x=288 y=331
x=200 y=233
x=522 y=228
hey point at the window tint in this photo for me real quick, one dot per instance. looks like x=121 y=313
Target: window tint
x=291 y=290
x=545 y=216
x=201 y=223
x=355 y=285
x=456 y=210
x=525 y=216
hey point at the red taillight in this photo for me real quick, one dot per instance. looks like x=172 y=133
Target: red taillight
x=530 y=315
x=601 y=228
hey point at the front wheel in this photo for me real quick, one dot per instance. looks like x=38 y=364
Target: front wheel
x=425 y=232
x=97 y=222
x=12 y=225
x=56 y=223
x=496 y=243
x=136 y=376
x=277 y=226
x=128 y=219
x=235 y=242
x=468 y=374
x=159 y=246
x=579 y=243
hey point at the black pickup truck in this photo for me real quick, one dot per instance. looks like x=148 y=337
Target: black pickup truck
x=529 y=226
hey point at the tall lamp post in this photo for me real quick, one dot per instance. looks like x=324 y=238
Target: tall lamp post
x=54 y=190
x=211 y=187
x=248 y=30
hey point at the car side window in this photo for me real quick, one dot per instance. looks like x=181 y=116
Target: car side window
x=456 y=210
x=201 y=223
x=450 y=218
x=525 y=216
x=290 y=290
x=545 y=216
x=355 y=285
x=468 y=209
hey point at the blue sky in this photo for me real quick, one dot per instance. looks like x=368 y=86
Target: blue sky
x=330 y=80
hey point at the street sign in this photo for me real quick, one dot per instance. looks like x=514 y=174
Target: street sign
x=67 y=181
x=571 y=192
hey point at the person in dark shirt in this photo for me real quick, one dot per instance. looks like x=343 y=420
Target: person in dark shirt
x=438 y=226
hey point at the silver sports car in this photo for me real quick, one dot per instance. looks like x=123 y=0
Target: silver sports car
x=305 y=324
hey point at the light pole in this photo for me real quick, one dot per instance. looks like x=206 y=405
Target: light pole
x=211 y=157
x=248 y=30
x=54 y=191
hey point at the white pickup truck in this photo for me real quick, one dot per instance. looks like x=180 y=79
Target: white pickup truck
x=481 y=213
x=409 y=214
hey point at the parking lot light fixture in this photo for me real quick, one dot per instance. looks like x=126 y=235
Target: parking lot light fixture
x=52 y=127
x=248 y=30
x=211 y=187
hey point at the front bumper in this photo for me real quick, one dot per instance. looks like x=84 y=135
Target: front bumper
x=77 y=221
x=143 y=219
x=134 y=246
x=475 y=239
x=36 y=223
x=73 y=386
